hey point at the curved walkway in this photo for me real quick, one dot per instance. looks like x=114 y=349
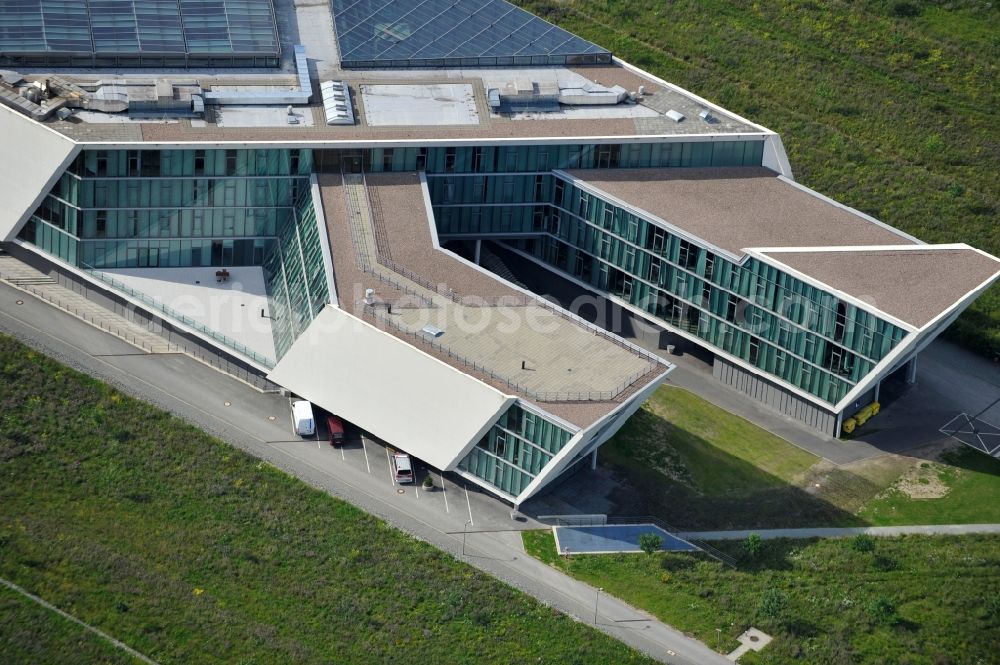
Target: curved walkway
x=843 y=532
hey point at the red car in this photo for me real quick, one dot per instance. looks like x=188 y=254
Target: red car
x=335 y=427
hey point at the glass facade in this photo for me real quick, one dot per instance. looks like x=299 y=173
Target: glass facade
x=138 y=33
x=147 y=208
x=530 y=158
x=182 y=208
x=169 y=208
x=752 y=310
x=297 y=287
x=515 y=450
x=445 y=33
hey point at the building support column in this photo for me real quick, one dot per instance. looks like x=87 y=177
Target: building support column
x=837 y=426
x=878 y=389
x=911 y=371
x=479 y=248
x=593 y=460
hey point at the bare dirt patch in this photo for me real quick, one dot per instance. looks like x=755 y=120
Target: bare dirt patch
x=923 y=482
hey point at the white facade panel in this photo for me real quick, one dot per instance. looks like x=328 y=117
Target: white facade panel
x=587 y=440
x=31 y=160
x=389 y=388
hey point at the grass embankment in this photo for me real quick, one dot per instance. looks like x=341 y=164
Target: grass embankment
x=192 y=552
x=889 y=107
x=697 y=466
x=917 y=600
x=30 y=633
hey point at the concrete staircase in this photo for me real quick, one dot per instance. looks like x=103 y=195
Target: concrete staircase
x=36 y=283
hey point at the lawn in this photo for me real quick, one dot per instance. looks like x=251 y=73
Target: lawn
x=889 y=107
x=696 y=466
x=913 y=599
x=30 y=633
x=671 y=435
x=969 y=481
x=192 y=552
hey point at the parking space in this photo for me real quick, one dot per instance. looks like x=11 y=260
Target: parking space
x=365 y=460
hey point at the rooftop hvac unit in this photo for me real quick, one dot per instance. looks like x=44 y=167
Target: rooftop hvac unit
x=676 y=116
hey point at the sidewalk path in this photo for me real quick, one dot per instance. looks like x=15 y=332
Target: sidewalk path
x=841 y=532
x=236 y=413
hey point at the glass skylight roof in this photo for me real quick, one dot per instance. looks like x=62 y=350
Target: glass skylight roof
x=452 y=33
x=99 y=27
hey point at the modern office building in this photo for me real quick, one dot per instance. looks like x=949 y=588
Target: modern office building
x=443 y=125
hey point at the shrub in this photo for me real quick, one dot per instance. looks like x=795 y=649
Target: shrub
x=650 y=543
x=882 y=610
x=993 y=605
x=863 y=543
x=772 y=604
x=428 y=482
x=753 y=546
x=885 y=564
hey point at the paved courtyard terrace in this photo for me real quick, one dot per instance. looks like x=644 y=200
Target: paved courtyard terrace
x=382 y=238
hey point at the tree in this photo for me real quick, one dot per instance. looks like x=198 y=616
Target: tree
x=650 y=543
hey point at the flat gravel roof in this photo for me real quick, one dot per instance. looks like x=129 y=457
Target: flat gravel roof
x=913 y=285
x=739 y=208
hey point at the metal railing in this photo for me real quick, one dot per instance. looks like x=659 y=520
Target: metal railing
x=509 y=300
x=539 y=395
x=139 y=340
x=604 y=520
x=355 y=217
x=356 y=188
x=233 y=344
x=137 y=334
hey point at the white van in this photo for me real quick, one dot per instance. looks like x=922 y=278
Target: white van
x=402 y=468
x=302 y=418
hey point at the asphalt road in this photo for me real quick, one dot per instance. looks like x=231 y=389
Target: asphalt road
x=455 y=517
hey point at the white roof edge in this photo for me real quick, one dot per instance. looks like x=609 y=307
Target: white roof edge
x=416 y=349
x=853 y=211
x=676 y=88
x=692 y=338
x=866 y=248
x=577 y=319
x=389 y=387
x=404 y=143
x=581 y=440
x=34 y=158
x=645 y=214
x=317 y=201
x=537 y=409
x=914 y=342
x=968 y=298
x=140 y=304
x=843 y=295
